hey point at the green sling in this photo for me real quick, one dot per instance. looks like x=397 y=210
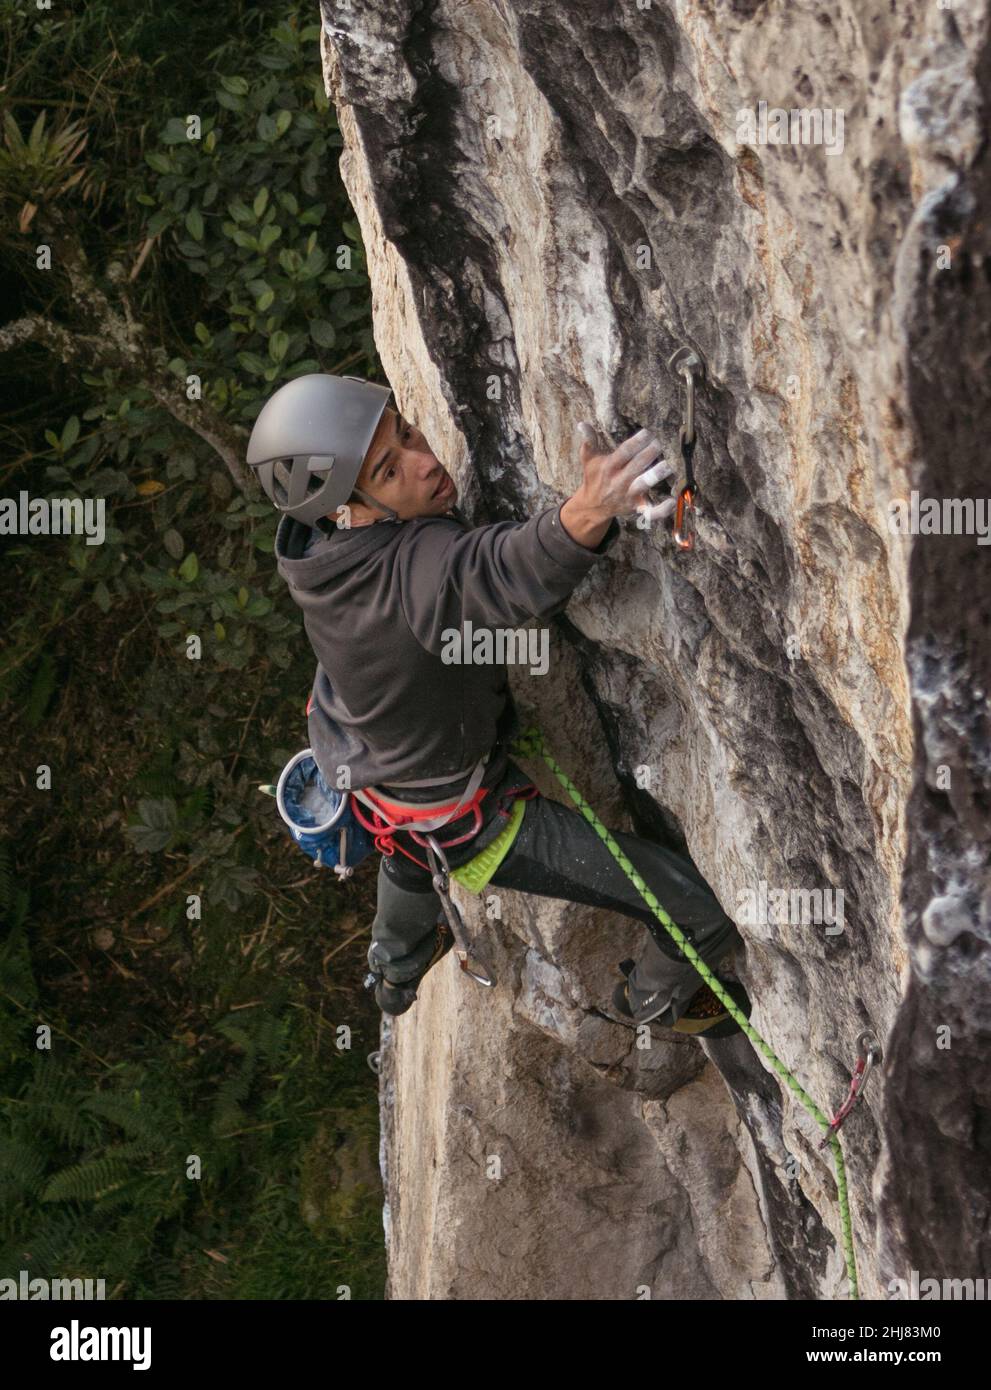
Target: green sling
x=476 y=873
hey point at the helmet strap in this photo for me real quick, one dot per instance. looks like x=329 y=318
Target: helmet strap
x=370 y=501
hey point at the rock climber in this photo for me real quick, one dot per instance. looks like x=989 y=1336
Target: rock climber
x=384 y=566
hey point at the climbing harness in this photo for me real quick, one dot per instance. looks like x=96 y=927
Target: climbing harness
x=388 y=815
x=531 y=743
x=868 y=1056
x=335 y=831
x=688 y=364
x=391 y=815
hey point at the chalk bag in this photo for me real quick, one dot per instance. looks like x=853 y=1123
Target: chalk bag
x=320 y=818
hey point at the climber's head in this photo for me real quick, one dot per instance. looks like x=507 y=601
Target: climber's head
x=400 y=470
x=321 y=442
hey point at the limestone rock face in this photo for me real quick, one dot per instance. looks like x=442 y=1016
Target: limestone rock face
x=553 y=198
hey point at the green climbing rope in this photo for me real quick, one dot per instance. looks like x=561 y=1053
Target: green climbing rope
x=531 y=742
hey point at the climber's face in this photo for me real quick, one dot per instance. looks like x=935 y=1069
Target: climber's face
x=401 y=470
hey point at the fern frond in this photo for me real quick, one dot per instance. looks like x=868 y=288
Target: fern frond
x=46 y=1248
x=237 y=1034
x=158 y=776
x=227 y=1111
x=14 y=679
x=88 y=1181
x=16 y=975
x=56 y=1103
x=271 y=1039
x=197 y=806
x=129 y=1114
x=22 y=1163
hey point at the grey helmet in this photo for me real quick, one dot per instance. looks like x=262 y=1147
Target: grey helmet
x=309 y=442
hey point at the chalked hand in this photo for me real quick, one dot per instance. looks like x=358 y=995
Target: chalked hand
x=615 y=482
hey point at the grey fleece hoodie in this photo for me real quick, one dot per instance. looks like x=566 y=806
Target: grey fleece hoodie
x=377 y=601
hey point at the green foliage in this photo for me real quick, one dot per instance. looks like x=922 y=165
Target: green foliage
x=133 y=1173
x=283 y=276
x=157 y=824
x=252 y=291
x=162 y=674
x=17 y=987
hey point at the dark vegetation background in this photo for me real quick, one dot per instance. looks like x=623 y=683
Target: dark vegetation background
x=171 y=1035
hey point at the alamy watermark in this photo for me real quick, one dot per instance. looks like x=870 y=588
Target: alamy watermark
x=809 y=125
x=54 y=516
x=83 y=1343
x=795 y=907
x=916 y=1287
x=26 y=1287
x=940 y=516
x=500 y=646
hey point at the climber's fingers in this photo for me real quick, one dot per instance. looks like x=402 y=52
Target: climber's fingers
x=661 y=469
x=658 y=511
x=633 y=458
x=638 y=468
x=639 y=449
x=615 y=482
x=588 y=436
x=631 y=447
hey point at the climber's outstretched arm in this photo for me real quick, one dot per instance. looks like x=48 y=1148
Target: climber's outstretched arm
x=504 y=574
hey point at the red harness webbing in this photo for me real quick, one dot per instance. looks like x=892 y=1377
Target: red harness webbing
x=394 y=817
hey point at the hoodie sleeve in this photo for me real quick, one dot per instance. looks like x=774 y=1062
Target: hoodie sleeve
x=501 y=575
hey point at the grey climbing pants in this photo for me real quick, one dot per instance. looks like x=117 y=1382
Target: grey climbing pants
x=557 y=854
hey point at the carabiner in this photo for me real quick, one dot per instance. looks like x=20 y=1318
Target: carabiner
x=440 y=874
x=687 y=363
x=684 y=519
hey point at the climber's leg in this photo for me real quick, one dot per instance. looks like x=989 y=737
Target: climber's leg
x=403 y=931
x=558 y=854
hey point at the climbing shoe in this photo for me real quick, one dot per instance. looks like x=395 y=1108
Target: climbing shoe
x=704 y=1015
x=643 y=1012
x=393 y=998
x=707 y=1016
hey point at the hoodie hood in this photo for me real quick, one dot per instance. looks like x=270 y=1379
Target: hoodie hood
x=332 y=555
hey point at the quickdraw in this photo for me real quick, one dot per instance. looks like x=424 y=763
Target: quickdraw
x=440 y=874
x=868 y=1056
x=688 y=364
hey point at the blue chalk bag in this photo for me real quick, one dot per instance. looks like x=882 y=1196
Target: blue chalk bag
x=320 y=818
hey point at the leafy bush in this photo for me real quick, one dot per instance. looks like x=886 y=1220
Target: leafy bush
x=161 y=676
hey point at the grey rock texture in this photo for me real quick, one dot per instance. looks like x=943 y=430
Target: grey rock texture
x=552 y=199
